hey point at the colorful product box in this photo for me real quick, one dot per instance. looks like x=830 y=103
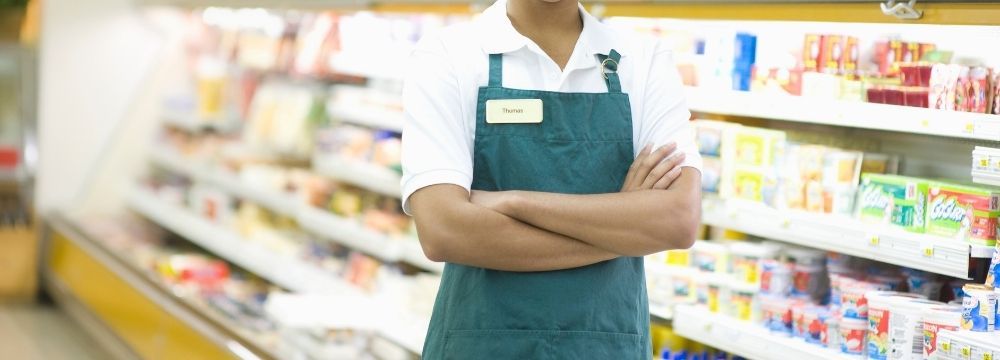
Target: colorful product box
x=943 y=82
x=892 y=199
x=963 y=212
x=849 y=60
x=811 y=51
x=995 y=92
x=832 y=53
x=979 y=90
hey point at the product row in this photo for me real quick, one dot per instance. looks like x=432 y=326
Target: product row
x=893 y=68
x=765 y=165
x=827 y=299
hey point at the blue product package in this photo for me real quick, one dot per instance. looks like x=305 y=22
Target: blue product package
x=979 y=309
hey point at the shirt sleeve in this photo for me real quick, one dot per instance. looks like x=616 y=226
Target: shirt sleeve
x=665 y=115
x=436 y=145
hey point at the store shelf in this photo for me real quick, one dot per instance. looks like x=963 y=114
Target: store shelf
x=372 y=177
x=193 y=124
x=985 y=178
x=745 y=339
x=350 y=233
x=661 y=313
x=372 y=117
x=172 y=161
x=968 y=345
x=284 y=271
x=842 y=234
x=853 y=114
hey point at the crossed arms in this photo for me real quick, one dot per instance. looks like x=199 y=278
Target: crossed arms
x=658 y=208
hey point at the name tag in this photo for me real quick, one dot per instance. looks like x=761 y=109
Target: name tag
x=515 y=111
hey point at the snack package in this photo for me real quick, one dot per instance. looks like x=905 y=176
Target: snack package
x=943 y=81
x=832 y=53
x=995 y=91
x=962 y=92
x=978 y=90
x=711 y=174
x=849 y=59
x=757 y=146
x=755 y=184
x=963 y=212
x=875 y=163
x=811 y=52
x=892 y=199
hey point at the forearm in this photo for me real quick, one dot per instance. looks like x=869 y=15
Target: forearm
x=470 y=234
x=633 y=223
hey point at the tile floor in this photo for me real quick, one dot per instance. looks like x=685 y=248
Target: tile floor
x=30 y=332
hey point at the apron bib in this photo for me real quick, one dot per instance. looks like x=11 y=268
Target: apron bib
x=582 y=146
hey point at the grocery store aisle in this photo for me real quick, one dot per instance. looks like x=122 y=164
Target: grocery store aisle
x=32 y=332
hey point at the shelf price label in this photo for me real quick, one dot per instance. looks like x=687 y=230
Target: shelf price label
x=945 y=346
x=927 y=250
x=966 y=352
x=873 y=240
x=988 y=355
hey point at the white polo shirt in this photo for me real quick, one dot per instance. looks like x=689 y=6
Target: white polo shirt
x=448 y=67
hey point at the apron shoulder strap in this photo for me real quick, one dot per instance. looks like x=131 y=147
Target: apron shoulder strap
x=496 y=70
x=609 y=68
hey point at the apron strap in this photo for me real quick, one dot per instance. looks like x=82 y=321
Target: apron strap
x=496 y=70
x=609 y=68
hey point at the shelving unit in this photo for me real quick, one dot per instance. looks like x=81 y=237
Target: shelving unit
x=745 y=339
x=322 y=223
x=368 y=116
x=285 y=271
x=844 y=235
x=855 y=114
x=371 y=177
x=191 y=123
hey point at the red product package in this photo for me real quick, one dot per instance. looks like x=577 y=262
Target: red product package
x=810 y=52
x=942 y=86
x=897 y=51
x=876 y=95
x=909 y=74
x=912 y=53
x=885 y=56
x=963 y=90
x=894 y=96
x=924 y=49
x=915 y=97
x=849 y=59
x=978 y=90
x=832 y=53
x=995 y=91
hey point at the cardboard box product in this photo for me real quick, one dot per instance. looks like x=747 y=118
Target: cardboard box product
x=811 y=52
x=892 y=199
x=979 y=90
x=967 y=213
x=755 y=184
x=832 y=54
x=849 y=61
x=757 y=146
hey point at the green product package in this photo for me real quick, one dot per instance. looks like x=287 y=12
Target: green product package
x=893 y=199
x=963 y=212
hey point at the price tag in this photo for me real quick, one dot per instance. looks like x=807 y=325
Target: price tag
x=927 y=251
x=984 y=163
x=925 y=123
x=967 y=352
x=945 y=346
x=873 y=240
x=785 y=223
x=970 y=127
x=988 y=355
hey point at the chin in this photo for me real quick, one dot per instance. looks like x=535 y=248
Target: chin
x=550 y=1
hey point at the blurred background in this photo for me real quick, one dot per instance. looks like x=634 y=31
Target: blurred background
x=214 y=179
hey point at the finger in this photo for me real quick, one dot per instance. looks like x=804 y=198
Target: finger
x=661 y=169
x=630 y=176
x=649 y=162
x=668 y=179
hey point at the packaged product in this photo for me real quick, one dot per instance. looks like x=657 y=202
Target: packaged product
x=943 y=82
x=814 y=320
x=841 y=168
x=830 y=332
x=711 y=174
x=680 y=257
x=891 y=282
x=875 y=163
x=754 y=184
x=701 y=293
x=709 y=135
x=894 y=325
x=956 y=289
x=978 y=90
x=832 y=53
x=757 y=146
x=963 y=90
x=808 y=277
x=853 y=300
x=775 y=277
x=923 y=283
x=710 y=257
x=852 y=336
x=745 y=260
x=811 y=52
x=776 y=314
x=915 y=96
x=894 y=95
x=682 y=283
x=849 y=60
x=892 y=199
x=935 y=319
x=979 y=308
x=965 y=213
x=993 y=274
x=995 y=92
x=742 y=303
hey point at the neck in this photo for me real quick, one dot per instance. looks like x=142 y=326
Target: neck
x=535 y=17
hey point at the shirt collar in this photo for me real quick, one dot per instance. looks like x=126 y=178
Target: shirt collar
x=501 y=37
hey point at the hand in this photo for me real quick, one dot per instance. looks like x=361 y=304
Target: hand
x=494 y=200
x=654 y=169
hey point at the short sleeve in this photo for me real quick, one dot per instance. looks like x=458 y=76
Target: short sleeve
x=436 y=146
x=665 y=115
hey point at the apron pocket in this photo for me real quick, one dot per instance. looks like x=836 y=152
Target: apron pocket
x=542 y=344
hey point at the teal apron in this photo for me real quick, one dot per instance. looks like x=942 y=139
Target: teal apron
x=582 y=146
